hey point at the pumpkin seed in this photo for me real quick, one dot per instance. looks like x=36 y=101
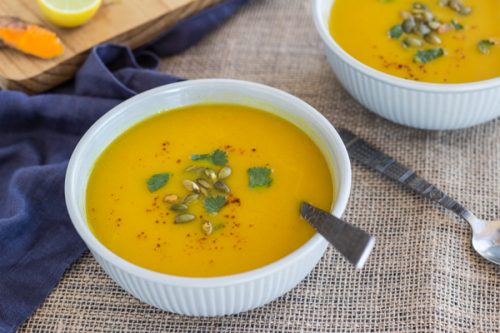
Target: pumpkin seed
x=191 y=197
x=211 y=174
x=171 y=198
x=203 y=183
x=184 y=218
x=204 y=191
x=194 y=168
x=412 y=41
x=434 y=25
x=207 y=227
x=222 y=187
x=423 y=29
x=409 y=25
x=191 y=186
x=433 y=39
x=465 y=11
x=456 y=5
x=225 y=172
x=179 y=207
x=419 y=5
x=444 y=28
x=428 y=16
x=444 y=3
x=405 y=14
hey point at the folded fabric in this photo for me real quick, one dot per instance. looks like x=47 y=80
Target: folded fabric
x=37 y=136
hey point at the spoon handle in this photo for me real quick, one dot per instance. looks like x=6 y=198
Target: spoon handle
x=352 y=242
x=374 y=158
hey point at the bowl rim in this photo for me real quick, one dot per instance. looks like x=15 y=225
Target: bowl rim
x=322 y=28
x=96 y=247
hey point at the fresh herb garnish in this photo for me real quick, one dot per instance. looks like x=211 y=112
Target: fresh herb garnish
x=259 y=177
x=214 y=204
x=456 y=25
x=485 y=45
x=217 y=157
x=157 y=181
x=425 y=56
x=396 y=31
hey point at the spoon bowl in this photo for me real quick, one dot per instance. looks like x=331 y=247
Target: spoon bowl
x=486 y=241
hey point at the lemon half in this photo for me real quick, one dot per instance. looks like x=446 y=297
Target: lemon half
x=69 y=13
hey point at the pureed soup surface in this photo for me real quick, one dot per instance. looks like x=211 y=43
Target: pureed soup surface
x=256 y=226
x=361 y=28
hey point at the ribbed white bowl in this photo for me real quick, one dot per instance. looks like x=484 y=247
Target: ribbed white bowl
x=411 y=103
x=219 y=295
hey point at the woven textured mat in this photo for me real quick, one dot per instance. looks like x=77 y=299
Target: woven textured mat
x=423 y=275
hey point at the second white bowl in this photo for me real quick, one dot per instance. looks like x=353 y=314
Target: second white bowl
x=411 y=103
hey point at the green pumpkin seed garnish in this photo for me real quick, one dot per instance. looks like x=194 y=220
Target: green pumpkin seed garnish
x=194 y=169
x=211 y=174
x=207 y=227
x=434 y=25
x=222 y=187
x=409 y=25
x=419 y=5
x=224 y=173
x=485 y=45
x=413 y=41
x=191 y=197
x=179 y=207
x=425 y=56
x=423 y=29
x=191 y=186
x=204 y=183
x=204 y=191
x=171 y=198
x=184 y=218
x=465 y=11
x=433 y=38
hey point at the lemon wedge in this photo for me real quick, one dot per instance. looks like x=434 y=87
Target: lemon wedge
x=69 y=13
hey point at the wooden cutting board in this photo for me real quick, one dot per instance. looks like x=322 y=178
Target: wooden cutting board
x=127 y=22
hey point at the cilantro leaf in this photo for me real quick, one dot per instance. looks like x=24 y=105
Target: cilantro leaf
x=485 y=45
x=214 y=204
x=457 y=25
x=259 y=177
x=217 y=157
x=155 y=182
x=425 y=56
x=197 y=157
x=396 y=31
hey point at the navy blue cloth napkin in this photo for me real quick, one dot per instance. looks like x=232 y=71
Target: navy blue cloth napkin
x=37 y=136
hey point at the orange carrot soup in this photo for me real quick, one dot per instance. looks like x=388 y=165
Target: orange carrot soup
x=207 y=190
x=440 y=41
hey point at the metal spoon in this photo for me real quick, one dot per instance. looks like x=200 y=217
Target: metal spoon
x=485 y=235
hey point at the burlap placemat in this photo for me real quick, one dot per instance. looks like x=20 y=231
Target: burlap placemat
x=423 y=275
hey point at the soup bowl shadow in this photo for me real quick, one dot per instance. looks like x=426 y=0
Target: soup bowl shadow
x=212 y=296
x=432 y=106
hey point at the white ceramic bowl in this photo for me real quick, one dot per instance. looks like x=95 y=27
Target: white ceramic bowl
x=411 y=103
x=218 y=295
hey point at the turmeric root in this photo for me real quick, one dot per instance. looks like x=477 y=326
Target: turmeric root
x=29 y=38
